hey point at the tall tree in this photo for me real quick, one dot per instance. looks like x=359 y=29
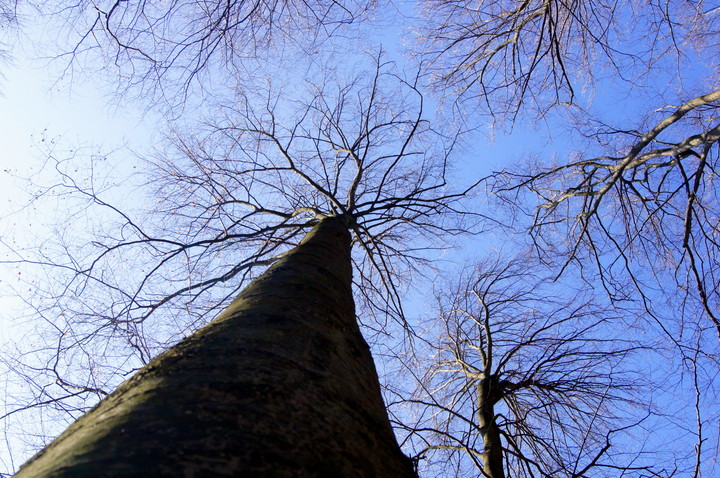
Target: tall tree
x=629 y=203
x=233 y=198
x=518 y=376
x=237 y=192
x=636 y=214
x=280 y=384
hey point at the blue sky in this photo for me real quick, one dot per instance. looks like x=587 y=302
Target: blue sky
x=33 y=106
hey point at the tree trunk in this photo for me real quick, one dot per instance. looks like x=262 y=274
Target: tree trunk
x=280 y=384
x=488 y=396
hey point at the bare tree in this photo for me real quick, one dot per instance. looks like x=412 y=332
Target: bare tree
x=8 y=22
x=231 y=199
x=635 y=213
x=169 y=250
x=633 y=208
x=643 y=213
x=509 y=56
x=280 y=384
x=525 y=378
x=167 y=50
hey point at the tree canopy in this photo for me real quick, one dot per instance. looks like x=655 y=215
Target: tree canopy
x=575 y=327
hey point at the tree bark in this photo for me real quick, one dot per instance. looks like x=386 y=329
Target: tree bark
x=280 y=384
x=488 y=396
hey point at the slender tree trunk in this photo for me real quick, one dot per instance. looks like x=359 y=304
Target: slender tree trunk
x=280 y=384
x=488 y=393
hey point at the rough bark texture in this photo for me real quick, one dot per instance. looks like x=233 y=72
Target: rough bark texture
x=280 y=384
x=488 y=396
